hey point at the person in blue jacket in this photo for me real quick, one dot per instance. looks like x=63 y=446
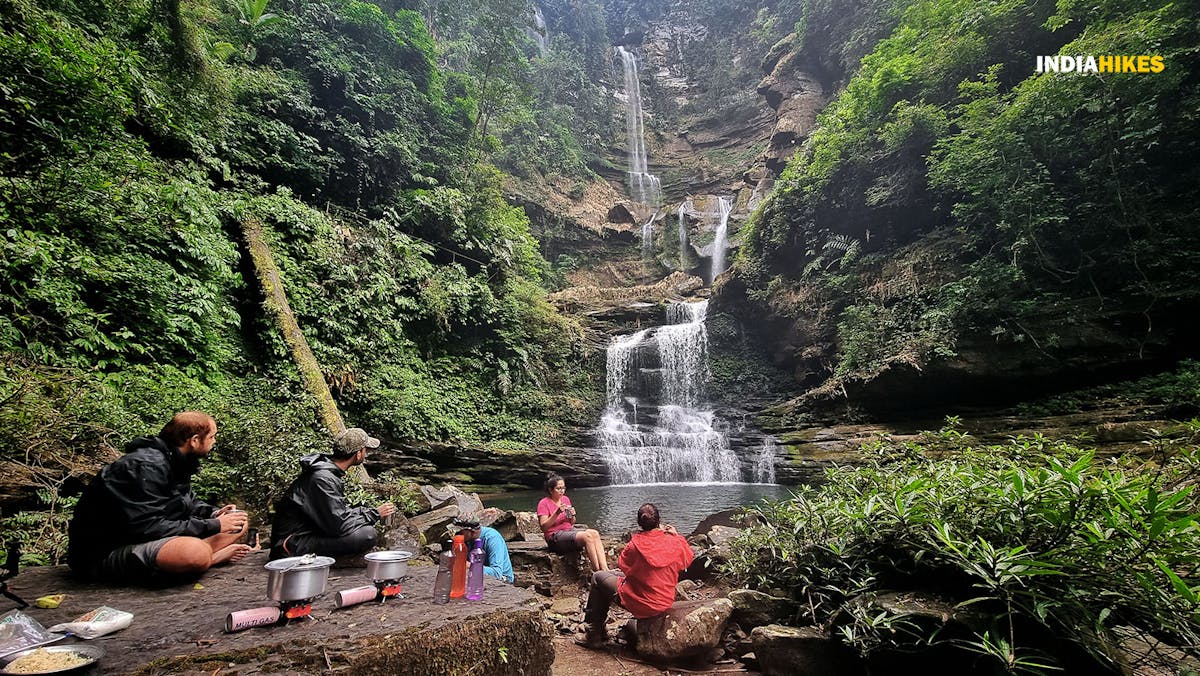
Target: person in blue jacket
x=495 y=550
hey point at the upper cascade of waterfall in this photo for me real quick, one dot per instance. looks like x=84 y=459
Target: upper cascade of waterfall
x=654 y=428
x=721 y=237
x=538 y=31
x=683 y=235
x=644 y=187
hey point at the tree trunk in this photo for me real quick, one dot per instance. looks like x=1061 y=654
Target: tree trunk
x=276 y=303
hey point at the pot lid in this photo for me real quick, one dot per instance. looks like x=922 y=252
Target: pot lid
x=387 y=556
x=306 y=562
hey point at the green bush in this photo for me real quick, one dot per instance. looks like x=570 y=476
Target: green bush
x=1034 y=538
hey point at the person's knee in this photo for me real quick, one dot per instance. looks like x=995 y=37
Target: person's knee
x=364 y=538
x=184 y=555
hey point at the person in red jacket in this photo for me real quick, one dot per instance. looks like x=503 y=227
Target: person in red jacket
x=650 y=566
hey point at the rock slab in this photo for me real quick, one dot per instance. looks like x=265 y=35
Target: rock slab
x=180 y=630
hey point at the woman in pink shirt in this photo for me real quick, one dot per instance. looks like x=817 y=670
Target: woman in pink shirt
x=556 y=516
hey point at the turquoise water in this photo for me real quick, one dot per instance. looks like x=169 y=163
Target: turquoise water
x=613 y=509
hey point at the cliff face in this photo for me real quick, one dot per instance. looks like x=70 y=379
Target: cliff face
x=723 y=111
x=975 y=232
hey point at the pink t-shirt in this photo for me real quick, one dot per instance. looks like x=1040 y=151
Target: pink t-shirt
x=560 y=522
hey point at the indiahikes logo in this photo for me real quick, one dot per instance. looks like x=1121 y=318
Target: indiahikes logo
x=1107 y=63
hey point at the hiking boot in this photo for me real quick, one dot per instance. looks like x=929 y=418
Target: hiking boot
x=594 y=640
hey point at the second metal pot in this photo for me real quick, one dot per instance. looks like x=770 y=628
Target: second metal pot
x=389 y=565
x=298 y=577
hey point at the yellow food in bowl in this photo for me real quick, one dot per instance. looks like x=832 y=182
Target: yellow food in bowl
x=45 y=660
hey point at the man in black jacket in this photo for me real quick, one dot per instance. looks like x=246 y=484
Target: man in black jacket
x=139 y=517
x=312 y=517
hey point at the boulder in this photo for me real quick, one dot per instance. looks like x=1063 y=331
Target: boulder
x=685 y=632
x=527 y=526
x=535 y=566
x=399 y=533
x=684 y=591
x=719 y=535
x=432 y=525
x=755 y=609
x=801 y=651
x=500 y=519
x=451 y=495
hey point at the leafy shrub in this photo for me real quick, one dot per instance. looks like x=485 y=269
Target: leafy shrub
x=1040 y=539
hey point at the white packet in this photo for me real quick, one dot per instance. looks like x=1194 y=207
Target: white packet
x=101 y=621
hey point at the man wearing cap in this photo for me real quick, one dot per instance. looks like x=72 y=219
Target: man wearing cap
x=496 y=562
x=312 y=517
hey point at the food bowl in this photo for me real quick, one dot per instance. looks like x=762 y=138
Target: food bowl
x=388 y=565
x=297 y=578
x=90 y=653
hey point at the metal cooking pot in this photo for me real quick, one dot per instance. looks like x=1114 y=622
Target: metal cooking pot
x=298 y=577
x=389 y=565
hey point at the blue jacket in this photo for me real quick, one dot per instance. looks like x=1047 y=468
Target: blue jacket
x=495 y=555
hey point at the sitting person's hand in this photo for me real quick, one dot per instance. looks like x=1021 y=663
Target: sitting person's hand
x=225 y=509
x=670 y=529
x=233 y=522
x=385 y=510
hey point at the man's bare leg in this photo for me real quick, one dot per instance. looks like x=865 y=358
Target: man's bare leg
x=184 y=556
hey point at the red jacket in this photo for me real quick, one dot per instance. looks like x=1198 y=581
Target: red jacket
x=652 y=562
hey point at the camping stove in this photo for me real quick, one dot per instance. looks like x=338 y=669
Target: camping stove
x=379 y=590
x=387 y=570
x=294 y=584
x=279 y=615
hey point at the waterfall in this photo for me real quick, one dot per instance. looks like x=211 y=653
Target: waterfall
x=644 y=187
x=671 y=438
x=538 y=31
x=648 y=236
x=683 y=238
x=720 y=240
x=620 y=355
x=764 y=462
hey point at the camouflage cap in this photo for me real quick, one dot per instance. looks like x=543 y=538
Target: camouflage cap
x=352 y=441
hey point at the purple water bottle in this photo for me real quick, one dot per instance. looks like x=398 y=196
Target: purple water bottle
x=475 y=577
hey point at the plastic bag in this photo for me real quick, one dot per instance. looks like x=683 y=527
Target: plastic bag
x=101 y=621
x=19 y=631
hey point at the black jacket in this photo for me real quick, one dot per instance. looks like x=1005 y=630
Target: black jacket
x=144 y=496
x=315 y=504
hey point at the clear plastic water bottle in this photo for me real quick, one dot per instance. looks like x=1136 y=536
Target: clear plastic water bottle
x=441 y=586
x=475 y=577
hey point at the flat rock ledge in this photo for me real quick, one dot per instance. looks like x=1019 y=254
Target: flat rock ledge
x=180 y=630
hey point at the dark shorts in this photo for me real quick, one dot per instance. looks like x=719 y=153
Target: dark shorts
x=563 y=541
x=130 y=562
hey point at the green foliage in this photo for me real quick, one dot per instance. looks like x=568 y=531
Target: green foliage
x=1031 y=191
x=1028 y=539
x=137 y=139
